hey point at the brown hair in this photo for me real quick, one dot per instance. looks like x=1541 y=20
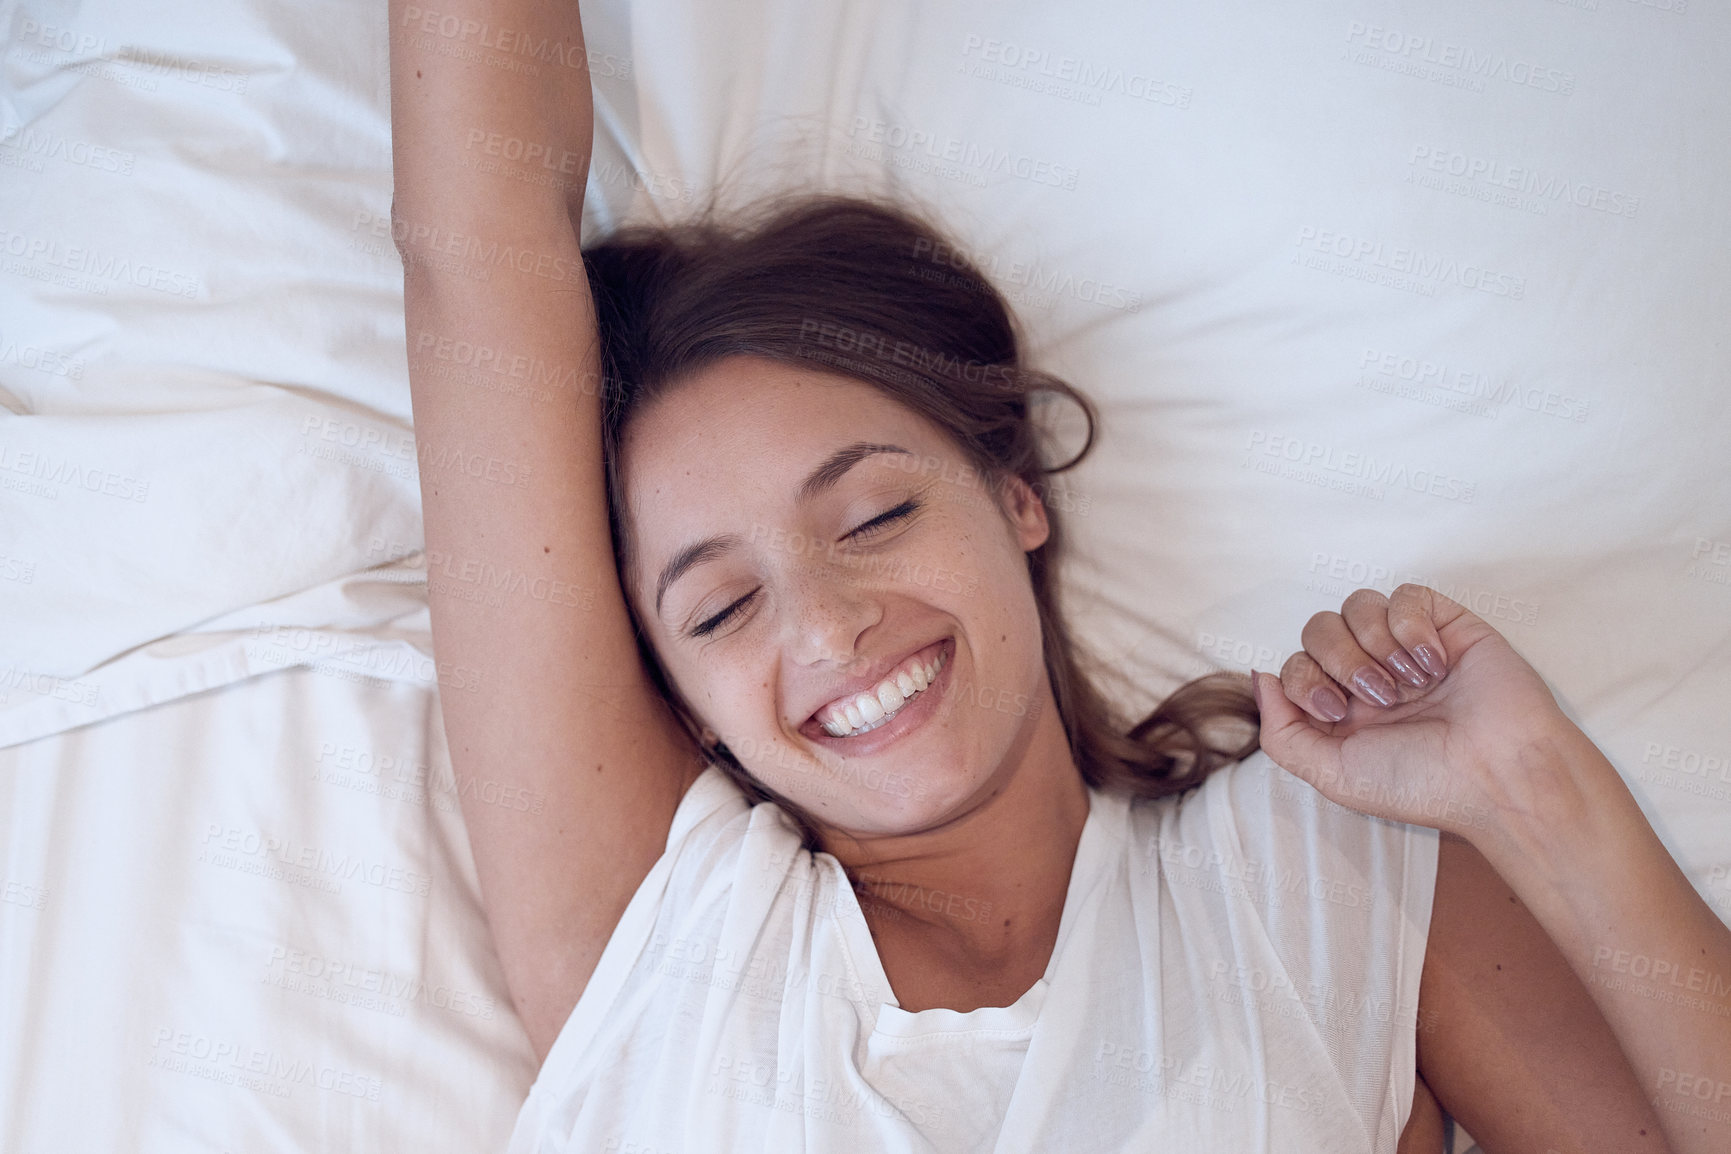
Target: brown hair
x=871 y=291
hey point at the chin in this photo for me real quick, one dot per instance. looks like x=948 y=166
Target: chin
x=907 y=801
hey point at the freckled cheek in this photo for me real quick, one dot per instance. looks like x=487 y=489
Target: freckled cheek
x=707 y=692
x=745 y=705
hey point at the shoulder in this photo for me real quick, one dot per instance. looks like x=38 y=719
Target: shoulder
x=1343 y=900
x=720 y=837
x=1304 y=912
x=711 y=803
x=1255 y=812
x=720 y=851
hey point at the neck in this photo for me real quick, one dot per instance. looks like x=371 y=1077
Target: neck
x=989 y=886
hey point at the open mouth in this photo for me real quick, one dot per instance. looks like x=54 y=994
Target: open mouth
x=899 y=697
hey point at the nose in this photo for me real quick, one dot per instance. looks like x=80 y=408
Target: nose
x=824 y=614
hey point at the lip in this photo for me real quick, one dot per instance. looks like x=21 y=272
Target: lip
x=908 y=717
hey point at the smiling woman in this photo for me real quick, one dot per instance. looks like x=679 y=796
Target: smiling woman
x=842 y=851
x=743 y=349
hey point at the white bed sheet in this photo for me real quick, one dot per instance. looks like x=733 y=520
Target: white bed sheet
x=1368 y=293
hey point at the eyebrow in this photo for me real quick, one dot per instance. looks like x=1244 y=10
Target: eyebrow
x=820 y=479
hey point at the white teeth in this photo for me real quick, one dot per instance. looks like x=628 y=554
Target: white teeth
x=882 y=721
x=867 y=711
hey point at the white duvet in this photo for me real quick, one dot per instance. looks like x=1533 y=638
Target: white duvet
x=1368 y=293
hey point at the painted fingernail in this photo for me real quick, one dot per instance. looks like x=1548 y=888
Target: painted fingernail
x=1401 y=662
x=1428 y=658
x=1375 y=684
x=1328 y=703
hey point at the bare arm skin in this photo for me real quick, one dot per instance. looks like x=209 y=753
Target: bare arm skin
x=1606 y=891
x=1510 y=1041
x=521 y=574
x=1424 y=1126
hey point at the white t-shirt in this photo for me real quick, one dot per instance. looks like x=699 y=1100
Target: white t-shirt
x=1236 y=970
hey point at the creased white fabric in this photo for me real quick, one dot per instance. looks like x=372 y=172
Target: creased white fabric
x=1235 y=970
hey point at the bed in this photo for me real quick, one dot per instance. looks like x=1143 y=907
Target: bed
x=1368 y=293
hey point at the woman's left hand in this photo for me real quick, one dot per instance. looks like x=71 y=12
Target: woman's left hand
x=1409 y=707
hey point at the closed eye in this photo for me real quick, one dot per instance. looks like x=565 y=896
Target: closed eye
x=722 y=618
x=900 y=513
x=882 y=521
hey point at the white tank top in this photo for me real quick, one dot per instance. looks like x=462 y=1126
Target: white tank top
x=1236 y=970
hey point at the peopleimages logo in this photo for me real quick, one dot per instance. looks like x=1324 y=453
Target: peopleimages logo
x=43 y=466
x=1065 y=76
x=41 y=143
x=965 y=155
x=1444 y=61
x=93 y=269
x=1464 y=385
x=1355 y=465
x=1523 y=179
x=1366 y=258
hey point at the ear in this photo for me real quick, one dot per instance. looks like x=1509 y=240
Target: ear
x=1025 y=512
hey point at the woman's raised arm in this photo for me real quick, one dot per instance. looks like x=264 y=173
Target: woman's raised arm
x=570 y=763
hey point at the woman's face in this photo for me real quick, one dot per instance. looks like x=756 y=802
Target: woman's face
x=788 y=559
